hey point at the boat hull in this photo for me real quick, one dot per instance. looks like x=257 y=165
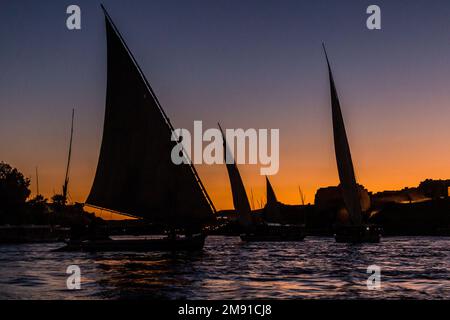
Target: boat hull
x=193 y=243
x=32 y=234
x=359 y=234
x=274 y=234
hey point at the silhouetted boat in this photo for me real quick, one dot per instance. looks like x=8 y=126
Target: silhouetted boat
x=32 y=234
x=135 y=173
x=37 y=233
x=273 y=232
x=255 y=229
x=138 y=244
x=358 y=234
x=356 y=231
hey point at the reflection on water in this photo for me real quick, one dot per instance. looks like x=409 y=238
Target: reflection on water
x=229 y=269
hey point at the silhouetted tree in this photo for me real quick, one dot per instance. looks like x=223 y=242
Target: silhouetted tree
x=38 y=210
x=58 y=202
x=13 y=194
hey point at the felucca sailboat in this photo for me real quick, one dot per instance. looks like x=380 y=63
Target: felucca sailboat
x=252 y=228
x=135 y=173
x=356 y=231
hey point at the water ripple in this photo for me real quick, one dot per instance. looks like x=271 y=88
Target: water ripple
x=317 y=268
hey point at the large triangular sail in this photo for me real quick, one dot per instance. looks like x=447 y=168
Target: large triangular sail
x=240 y=199
x=343 y=155
x=135 y=173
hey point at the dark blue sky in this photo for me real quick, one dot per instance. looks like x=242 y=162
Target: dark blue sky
x=245 y=64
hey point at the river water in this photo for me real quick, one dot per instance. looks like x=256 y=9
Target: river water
x=317 y=268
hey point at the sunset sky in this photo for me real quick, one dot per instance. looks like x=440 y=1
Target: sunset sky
x=247 y=64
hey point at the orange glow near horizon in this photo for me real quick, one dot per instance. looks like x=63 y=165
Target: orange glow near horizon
x=376 y=175
x=387 y=156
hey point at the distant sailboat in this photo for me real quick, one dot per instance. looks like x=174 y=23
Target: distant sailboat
x=135 y=174
x=356 y=231
x=253 y=230
x=240 y=199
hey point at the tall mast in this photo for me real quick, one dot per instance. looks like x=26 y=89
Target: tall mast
x=66 y=179
x=161 y=110
x=302 y=196
x=37 y=182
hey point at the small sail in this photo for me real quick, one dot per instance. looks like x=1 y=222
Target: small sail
x=343 y=155
x=272 y=209
x=135 y=173
x=240 y=199
x=271 y=198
